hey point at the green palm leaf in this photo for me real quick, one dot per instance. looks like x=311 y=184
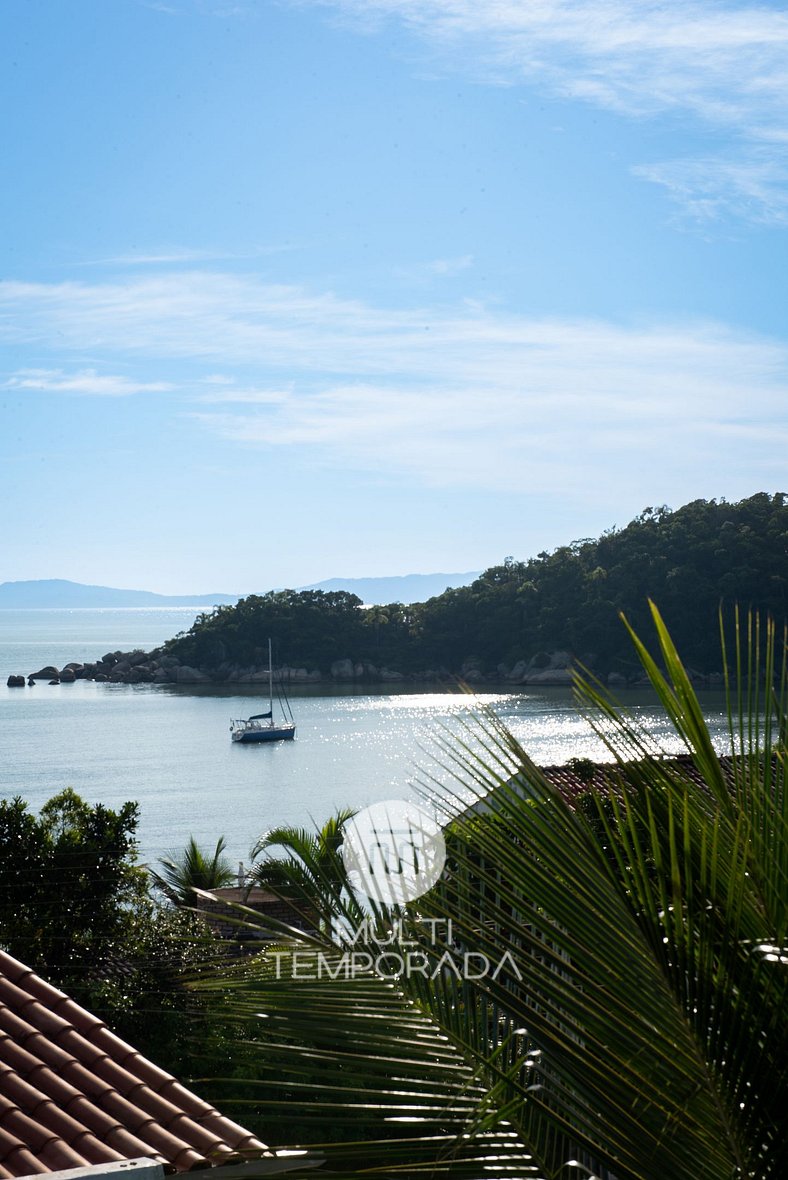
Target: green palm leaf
x=185 y=872
x=308 y=873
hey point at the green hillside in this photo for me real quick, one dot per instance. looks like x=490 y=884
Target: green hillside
x=688 y=561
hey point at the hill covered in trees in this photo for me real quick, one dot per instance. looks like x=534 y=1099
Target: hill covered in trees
x=688 y=561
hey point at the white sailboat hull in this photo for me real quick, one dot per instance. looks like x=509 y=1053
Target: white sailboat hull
x=248 y=731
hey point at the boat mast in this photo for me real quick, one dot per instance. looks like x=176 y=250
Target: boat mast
x=270 y=682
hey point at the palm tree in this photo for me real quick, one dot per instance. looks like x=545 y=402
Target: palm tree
x=184 y=872
x=634 y=1019
x=310 y=876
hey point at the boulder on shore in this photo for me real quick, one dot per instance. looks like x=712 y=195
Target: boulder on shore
x=297 y=676
x=47 y=673
x=517 y=673
x=168 y=662
x=16 y=682
x=187 y=675
x=560 y=677
x=390 y=675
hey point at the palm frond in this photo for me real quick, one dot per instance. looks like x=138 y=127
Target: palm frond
x=192 y=869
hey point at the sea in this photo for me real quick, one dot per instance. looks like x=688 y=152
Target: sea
x=168 y=747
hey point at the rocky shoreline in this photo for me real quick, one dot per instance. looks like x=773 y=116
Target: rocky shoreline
x=554 y=669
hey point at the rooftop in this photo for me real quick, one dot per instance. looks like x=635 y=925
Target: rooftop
x=72 y=1094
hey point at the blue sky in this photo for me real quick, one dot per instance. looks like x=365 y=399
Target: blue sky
x=296 y=289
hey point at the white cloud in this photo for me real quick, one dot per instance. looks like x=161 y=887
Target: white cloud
x=182 y=255
x=451 y=397
x=725 y=64
x=724 y=61
x=752 y=188
x=162 y=258
x=84 y=381
x=217 y=379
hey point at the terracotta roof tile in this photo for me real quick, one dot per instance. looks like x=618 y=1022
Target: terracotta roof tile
x=46 y=1112
x=17 y=1160
x=73 y=1094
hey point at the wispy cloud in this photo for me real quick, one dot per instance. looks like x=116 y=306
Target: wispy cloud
x=723 y=61
x=436 y=268
x=239 y=395
x=182 y=256
x=450 y=266
x=446 y=395
x=161 y=258
x=155 y=6
x=84 y=381
x=722 y=64
x=512 y=440
x=753 y=187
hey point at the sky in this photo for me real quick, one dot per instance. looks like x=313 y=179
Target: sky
x=301 y=289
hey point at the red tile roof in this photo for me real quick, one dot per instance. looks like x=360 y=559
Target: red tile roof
x=72 y=1094
x=606 y=775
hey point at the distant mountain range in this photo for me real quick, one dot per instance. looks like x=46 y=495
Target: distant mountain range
x=56 y=592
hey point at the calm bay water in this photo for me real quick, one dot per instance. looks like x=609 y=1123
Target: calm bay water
x=169 y=747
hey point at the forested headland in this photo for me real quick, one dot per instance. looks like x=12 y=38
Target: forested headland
x=513 y=619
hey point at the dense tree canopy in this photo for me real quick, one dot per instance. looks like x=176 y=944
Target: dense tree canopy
x=687 y=561
x=68 y=881
x=308 y=626
x=74 y=905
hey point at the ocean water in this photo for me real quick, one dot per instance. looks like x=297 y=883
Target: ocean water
x=169 y=747
x=31 y=639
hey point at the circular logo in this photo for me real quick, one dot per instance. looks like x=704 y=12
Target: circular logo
x=393 y=851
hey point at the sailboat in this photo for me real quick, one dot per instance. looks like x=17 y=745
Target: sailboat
x=261 y=727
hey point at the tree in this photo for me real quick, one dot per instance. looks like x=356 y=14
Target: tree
x=68 y=882
x=74 y=906
x=192 y=869
x=636 y=1025
x=310 y=876
x=376 y=617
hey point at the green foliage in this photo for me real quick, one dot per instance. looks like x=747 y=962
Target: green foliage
x=143 y=988
x=183 y=872
x=686 y=561
x=584 y=768
x=638 y=1018
x=74 y=906
x=68 y=882
x=308 y=873
x=308 y=627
